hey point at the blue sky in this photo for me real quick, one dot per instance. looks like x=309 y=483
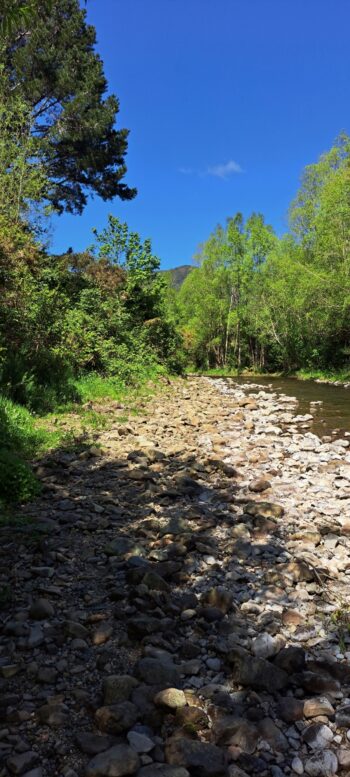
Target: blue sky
x=226 y=102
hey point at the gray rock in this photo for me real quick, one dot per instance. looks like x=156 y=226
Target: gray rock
x=36 y=637
x=118 y=687
x=273 y=735
x=266 y=646
x=53 y=715
x=231 y=730
x=92 y=744
x=18 y=764
x=323 y=764
x=140 y=742
x=162 y=770
x=115 y=762
x=256 y=672
x=116 y=718
x=317 y=736
x=41 y=609
x=200 y=757
x=153 y=672
x=290 y=709
x=297 y=765
x=74 y=629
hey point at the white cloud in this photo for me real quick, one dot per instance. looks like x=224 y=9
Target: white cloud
x=222 y=171
x=225 y=170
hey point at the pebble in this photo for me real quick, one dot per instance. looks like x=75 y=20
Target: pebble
x=180 y=557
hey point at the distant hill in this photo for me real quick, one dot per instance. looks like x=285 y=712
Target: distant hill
x=178 y=274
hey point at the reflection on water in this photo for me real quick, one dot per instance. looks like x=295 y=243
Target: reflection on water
x=331 y=417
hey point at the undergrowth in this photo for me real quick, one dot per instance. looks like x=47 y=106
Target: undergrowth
x=25 y=436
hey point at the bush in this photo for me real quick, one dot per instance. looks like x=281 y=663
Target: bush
x=17 y=482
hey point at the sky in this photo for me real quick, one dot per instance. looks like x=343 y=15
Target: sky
x=226 y=102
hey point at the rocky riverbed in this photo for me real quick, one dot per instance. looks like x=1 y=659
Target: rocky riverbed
x=180 y=604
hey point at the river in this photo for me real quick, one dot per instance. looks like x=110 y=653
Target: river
x=331 y=415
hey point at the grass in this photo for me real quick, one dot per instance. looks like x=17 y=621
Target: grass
x=330 y=376
x=72 y=426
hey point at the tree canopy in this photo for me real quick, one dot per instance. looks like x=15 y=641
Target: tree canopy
x=50 y=59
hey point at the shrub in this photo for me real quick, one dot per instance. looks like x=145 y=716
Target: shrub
x=17 y=482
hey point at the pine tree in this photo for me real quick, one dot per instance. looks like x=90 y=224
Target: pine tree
x=49 y=57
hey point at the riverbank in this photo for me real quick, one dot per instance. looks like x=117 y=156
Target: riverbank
x=340 y=378
x=201 y=546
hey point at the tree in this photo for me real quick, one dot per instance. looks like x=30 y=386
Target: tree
x=23 y=181
x=52 y=63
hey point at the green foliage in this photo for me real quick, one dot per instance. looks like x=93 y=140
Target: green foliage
x=17 y=482
x=259 y=302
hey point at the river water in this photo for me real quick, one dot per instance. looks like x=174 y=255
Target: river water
x=331 y=416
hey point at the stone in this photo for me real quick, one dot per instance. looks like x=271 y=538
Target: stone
x=267 y=646
x=74 y=629
x=116 y=718
x=140 y=742
x=192 y=717
x=343 y=755
x=36 y=637
x=342 y=717
x=318 y=683
x=317 y=736
x=256 y=673
x=318 y=706
x=153 y=672
x=292 y=618
x=162 y=770
x=297 y=765
x=219 y=598
x=53 y=715
x=200 y=758
x=119 y=547
x=92 y=744
x=102 y=634
x=291 y=659
x=118 y=687
x=271 y=734
x=38 y=772
x=41 y=609
x=261 y=484
x=264 y=509
x=118 y=761
x=290 y=709
x=233 y=731
x=323 y=764
x=155 y=582
x=18 y=764
x=171 y=698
